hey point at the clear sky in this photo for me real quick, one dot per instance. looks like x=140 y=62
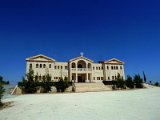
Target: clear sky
x=128 y=30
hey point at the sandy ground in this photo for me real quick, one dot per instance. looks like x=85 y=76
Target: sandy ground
x=143 y=104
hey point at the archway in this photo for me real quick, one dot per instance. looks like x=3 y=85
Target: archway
x=81 y=64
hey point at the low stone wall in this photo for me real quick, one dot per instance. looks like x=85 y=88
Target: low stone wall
x=18 y=91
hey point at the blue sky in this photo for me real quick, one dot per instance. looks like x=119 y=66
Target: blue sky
x=126 y=30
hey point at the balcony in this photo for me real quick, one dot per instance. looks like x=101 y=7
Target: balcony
x=81 y=69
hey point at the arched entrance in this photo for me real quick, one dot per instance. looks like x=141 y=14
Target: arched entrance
x=81 y=64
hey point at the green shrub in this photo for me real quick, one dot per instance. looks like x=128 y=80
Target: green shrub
x=61 y=85
x=2 y=90
x=138 y=81
x=156 y=84
x=29 y=85
x=129 y=82
x=120 y=83
x=45 y=84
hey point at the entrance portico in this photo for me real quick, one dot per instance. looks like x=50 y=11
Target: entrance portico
x=80 y=69
x=81 y=77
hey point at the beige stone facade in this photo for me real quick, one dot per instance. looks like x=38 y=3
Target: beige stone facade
x=79 y=69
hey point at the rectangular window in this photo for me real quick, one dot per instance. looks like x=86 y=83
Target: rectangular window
x=101 y=78
x=112 y=77
x=61 y=67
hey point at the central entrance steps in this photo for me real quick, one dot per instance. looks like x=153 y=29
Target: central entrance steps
x=91 y=87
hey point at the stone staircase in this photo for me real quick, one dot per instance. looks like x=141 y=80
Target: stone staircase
x=91 y=87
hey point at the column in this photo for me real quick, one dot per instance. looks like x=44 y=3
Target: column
x=76 y=77
x=86 y=77
x=90 y=77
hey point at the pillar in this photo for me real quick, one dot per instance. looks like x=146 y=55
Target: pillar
x=86 y=77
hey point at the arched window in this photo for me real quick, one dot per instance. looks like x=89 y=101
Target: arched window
x=30 y=66
x=73 y=65
x=50 y=66
x=89 y=65
x=40 y=65
x=107 y=67
x=81 y=64
x=43 y=78
x=112 y=67
x=44 y=66
x=36 y=65
x=39 y=77
x=117 y=67
x=121 y=67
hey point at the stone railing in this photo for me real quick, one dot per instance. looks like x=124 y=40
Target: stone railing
x=81 y=69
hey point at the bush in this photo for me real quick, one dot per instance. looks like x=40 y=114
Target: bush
x=138 y=81
x=46 y=84
x=61 y=85
x=129 y=82
x=29 y=85
x=156 y=84
x=120 y=82
x=2 y=90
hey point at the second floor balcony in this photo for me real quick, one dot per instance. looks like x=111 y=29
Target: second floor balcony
x=81 y=69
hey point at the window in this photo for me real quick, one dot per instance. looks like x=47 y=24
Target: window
x=96 y=68
x=61 y=67
x=121 y=67
x=101 y=78
x=117 y=67
x=36 y=65
x=107 y=67
x=108 y=78
x=112 y=67
x=30 y=66
x=112 y=77
x=55 y=67
x=73 y=65
x=40 y=65
x=43 y=77
x=50 y=66
x=93 y=68
x=93 y=78
x=44 y=66
x=101 y=68
x=58 y=67
x=66 y=67
x=39 y=77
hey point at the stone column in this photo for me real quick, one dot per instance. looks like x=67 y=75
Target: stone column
x=86 y=77
x=76 y=77
x=90 y=77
